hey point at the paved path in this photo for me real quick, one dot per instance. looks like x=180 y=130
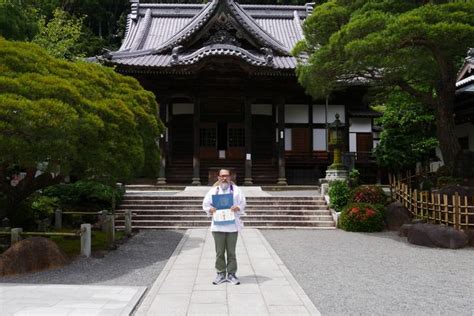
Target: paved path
x=80 y=300
x=184 y=287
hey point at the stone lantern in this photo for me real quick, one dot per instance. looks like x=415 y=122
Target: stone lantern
x=336 y=171
x=336 y=139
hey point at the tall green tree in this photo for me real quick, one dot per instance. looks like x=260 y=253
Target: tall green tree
x=413 y=46
x=17 y=22
x=61 y=35
x=59 y=118
x=409 y=132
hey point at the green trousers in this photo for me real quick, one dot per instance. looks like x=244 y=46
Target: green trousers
x=225 y=242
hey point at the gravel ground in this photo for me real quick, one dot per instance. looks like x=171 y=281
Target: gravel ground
x=376 y=274
x=138 y=262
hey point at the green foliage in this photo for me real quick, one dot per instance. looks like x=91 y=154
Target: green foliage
x=44 y=206
x=411 y=46
x=362 y=217
x=409 y=134
x=369 y=194
x=72 y=246
x=78 y=119
x=354 y=176
x=448 y=181
x=86 y=195
x=339 y=194
x=60 y=35
x=34 y=209
x=17 y=22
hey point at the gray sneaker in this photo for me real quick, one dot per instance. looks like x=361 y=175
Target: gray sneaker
x=232 y=278
x=220 y=278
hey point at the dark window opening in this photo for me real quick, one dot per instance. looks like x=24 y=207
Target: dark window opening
x=207 y=137
x=236 y=137
x=464 y=142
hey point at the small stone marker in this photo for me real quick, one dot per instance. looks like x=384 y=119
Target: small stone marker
x=128 y=222
x=86 y=240
x=15 y=235
x=58 y=218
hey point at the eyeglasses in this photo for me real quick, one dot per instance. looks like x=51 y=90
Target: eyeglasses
x=224 y=175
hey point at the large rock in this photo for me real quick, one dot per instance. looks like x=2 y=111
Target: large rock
x=31 y=255
x=470 y=236
x=404 y=229
x=396 y=215
x=430 y=235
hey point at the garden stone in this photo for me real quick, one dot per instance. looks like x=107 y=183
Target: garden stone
x=470 y=236
x=430 y=235
x=418 y=235
x=403 y=231
x=396 y=215
x=31 y=255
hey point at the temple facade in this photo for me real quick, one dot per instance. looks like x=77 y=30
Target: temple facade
x=225 y=80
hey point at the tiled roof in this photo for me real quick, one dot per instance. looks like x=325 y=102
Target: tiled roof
x=156 y=31
x=364 y=113
x=466 y=73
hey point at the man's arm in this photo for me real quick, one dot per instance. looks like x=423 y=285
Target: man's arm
x=239 y=203
x=207 y=204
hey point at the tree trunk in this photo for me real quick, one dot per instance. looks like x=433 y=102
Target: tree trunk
x=448 y=141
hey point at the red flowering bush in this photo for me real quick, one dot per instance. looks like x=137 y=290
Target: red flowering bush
x=369 y=194
x=362 y=217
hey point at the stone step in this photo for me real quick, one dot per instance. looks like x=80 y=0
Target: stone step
x=196 y=207
x=248 y=212
x=190 y=202
x=178 y=227
x=248 y=218
x=134 y=197
x=206 y=223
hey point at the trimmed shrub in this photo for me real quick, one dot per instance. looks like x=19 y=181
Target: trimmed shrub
x=90 y=195
x=339 y=194
x=362 y=217
x=369 y=194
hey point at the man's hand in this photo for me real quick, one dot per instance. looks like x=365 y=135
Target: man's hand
x=235 y=208
x=212 y=210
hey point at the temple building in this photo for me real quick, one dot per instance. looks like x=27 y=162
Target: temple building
x=464 y=107
x=224 y=77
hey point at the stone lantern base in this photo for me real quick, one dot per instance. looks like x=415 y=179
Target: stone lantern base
x=332 y=175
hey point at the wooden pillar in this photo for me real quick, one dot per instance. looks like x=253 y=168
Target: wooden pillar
x=281 y=142
x=163 y=141
x=196 y=159
x=248 y=142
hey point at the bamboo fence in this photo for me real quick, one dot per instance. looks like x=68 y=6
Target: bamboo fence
x=454 y=210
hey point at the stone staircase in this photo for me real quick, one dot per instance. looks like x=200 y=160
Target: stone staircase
x=182 y=212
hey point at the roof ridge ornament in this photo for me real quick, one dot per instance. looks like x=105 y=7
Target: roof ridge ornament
x=175 y=54
x=470 y=53
x=135 y=4
x=268 y=52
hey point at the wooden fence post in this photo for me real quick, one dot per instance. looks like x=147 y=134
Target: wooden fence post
x=58 y=219
x=466 y=212
x=15 y=235
x=446 y=208
x=414 y=202
x=86 y=240
x=456 y=211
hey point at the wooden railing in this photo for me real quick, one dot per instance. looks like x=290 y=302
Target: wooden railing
x=454 y=210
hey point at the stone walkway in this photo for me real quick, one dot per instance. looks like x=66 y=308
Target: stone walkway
x=80 y=300
x=184 y=287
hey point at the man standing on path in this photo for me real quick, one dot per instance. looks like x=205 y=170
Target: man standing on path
x=225 y=236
